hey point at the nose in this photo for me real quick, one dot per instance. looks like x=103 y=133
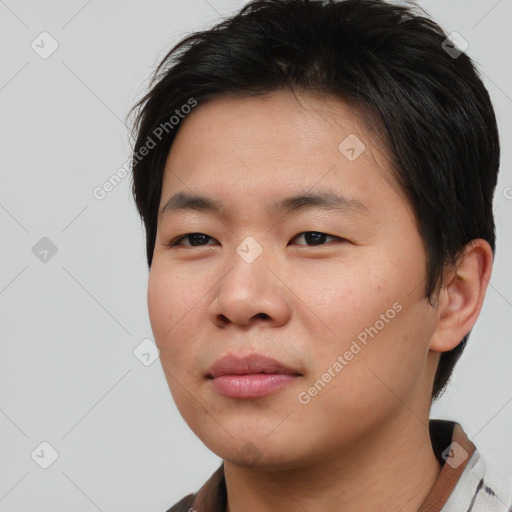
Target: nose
x=250 y=293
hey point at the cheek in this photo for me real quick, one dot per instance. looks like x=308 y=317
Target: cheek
x=341 y=300
x=170 y=305
x=173 y=316
x=367 y=310
x=161 y=303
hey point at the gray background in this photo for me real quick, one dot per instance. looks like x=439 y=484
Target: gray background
x=70 y=324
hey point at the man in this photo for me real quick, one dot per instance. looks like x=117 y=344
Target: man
x=316 y=183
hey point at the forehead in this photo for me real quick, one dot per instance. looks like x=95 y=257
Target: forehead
x=281 y=141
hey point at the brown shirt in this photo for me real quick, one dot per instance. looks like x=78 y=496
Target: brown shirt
x=460 y=486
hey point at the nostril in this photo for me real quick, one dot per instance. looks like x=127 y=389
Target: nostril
x=224 y=319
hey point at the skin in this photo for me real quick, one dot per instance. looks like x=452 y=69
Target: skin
x=362 y=443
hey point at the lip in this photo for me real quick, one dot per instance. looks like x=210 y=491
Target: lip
x=250 y=364
x=251 y=376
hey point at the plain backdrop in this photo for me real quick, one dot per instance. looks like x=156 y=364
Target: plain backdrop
x=73 y=271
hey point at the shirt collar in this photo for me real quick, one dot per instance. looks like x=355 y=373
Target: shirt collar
x=453 y=449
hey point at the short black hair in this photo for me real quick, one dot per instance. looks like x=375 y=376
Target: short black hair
x=391 y=62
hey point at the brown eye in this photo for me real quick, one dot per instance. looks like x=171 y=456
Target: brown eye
x=315 y=237
x=195 y=239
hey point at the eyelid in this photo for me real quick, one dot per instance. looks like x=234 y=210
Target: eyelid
x=175 y=241
x=319 y=232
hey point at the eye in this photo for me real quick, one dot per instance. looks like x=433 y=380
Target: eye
x=315 y=237
x=312 y=238
x=195 y=239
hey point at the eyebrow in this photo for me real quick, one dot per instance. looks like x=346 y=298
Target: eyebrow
x=325 y=200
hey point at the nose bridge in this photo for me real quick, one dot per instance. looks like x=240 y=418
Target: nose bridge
x=250 y=250
x=250 y=289
x=249 y=264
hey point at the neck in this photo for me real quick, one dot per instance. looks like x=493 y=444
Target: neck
x=397 y=468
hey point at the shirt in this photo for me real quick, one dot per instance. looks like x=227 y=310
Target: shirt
x=464 y=483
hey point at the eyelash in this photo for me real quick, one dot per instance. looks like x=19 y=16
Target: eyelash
x=174 y=242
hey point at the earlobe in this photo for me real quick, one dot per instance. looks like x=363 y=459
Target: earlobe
x=462 y=296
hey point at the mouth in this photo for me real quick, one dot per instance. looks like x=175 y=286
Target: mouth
x=250 y=377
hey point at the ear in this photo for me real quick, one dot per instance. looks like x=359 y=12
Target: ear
x=462 y=296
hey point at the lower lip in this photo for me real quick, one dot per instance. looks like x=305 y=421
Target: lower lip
x=250 y=385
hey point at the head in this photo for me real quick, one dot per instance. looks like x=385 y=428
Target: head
x=291 y=98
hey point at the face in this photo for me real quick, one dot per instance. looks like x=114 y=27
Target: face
x=332 y=289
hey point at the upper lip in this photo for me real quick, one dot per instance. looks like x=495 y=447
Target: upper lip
x=250 y=364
